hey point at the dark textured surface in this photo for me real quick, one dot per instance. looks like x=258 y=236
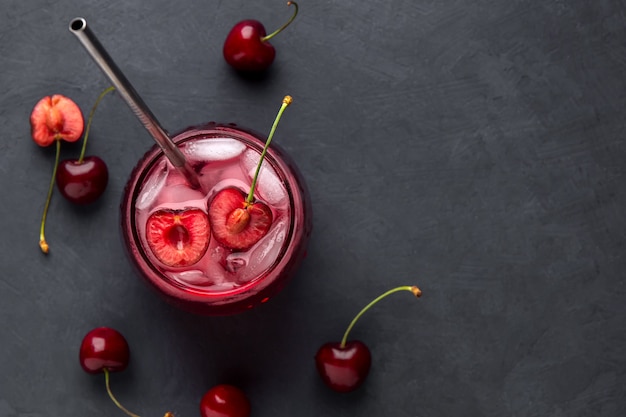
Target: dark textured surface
x=475 y=148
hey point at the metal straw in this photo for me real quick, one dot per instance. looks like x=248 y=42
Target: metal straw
x=78 y=27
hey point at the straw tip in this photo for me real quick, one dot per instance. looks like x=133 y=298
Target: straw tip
x=77 y=24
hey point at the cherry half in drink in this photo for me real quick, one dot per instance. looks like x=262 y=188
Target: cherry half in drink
x=215 y=279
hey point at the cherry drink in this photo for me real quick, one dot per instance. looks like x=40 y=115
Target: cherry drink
x=168 y=232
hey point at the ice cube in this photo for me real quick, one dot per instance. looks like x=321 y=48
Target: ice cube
x=181 y=193
x=263 y=254
x=269 y=187
x=250 y=160
x=152 y=187
x=192 y=277
x=216 y=149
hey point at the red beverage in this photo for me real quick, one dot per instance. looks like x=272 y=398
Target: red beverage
x=215 y=279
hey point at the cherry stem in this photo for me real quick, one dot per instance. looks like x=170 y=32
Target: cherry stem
x=280 y=29
x=89 y=119
x=286 y=102
x=108 y=385
x=42 y=236
x=412 y=288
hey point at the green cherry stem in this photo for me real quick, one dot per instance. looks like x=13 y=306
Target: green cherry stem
x=412 y=288
x=91 y=113
x=120 y=406
x=280 y=29
x=286 y=102
x=42 y=236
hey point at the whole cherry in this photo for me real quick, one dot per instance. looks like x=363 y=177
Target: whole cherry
x=224 y=401
x=105 y=350
x=237 y=220
x=247 y=46
x=343 y=366
x=53 y=119
x=83 y=180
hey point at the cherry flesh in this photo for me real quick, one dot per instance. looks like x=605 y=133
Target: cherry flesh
x=104 y=348
x=344 y=366
x=247 y=46
x=56 y=118
x=82 y=182
x=178 y=238
x=236 y=223
x=224 y=401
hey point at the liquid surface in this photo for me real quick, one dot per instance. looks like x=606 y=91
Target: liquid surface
x=221 y=163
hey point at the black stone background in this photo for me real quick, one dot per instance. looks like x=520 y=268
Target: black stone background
x=475 y=148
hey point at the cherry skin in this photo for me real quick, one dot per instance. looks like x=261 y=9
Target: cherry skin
x=82 y=182
x=244 y=48
x=104 y=348
x=345 y=368
x=224 y=401
x=247 y=48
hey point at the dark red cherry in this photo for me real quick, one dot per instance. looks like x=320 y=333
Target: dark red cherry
x=82 y=182
x=343 y=368
x=247 y=46
x=224 y=401
x=244 y=48
x=104 y=348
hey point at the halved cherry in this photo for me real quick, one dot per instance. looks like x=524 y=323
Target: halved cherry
x=56 y=118
x=237 y=221
x=178 y=238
